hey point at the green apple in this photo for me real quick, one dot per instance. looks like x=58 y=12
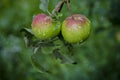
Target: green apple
x=44 y=27
x=75 y=28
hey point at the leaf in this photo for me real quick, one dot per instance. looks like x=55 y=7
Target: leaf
x=36 y=64
x=64 y=58
x=57 y=26
x=44 y=5
x=26 y=30
x=37 y=60
x=60 y=15
x=26 y=41
x=44 y=62
x=28 y=35
x=36 y=49
x=47 y=50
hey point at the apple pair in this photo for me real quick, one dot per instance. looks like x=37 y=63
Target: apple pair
x=74 y=28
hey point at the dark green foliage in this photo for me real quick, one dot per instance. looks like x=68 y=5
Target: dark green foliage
x=114 y=12
x=98 y=58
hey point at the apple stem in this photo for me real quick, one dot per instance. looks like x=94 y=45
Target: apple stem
x=69 y=9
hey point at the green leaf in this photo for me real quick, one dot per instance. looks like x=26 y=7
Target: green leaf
x=57 y=26
x=37 y=65
x=47 y=50
x=66 y=59
x=44 y=63
x=28 y=31
x=44 y=5
x=28 y=36
x=35 y=50
x=26 y=40
x=60 y=14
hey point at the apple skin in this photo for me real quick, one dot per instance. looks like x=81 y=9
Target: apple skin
x=44 y=27
x=75 y=28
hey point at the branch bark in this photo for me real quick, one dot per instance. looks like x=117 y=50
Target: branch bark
x=59 y=6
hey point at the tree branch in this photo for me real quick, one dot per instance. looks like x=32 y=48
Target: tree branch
x=59 y=6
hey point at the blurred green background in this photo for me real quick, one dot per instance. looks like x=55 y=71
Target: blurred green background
x=98 y=58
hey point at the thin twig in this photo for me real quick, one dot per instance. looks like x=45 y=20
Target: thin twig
x=59 y=7
x=68 y=6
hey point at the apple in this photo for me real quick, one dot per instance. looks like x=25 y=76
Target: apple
x=75 y=28
x=44 y=27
